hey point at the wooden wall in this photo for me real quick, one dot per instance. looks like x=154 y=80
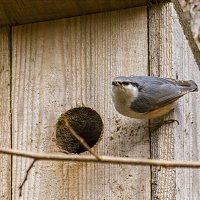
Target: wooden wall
x=58 y=64
x=161 y=64
x=50 y=67
x=5 y=113
x=171 y=56
x=187 y=136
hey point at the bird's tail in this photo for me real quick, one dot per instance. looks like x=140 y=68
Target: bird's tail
x=193 y=86
x=187 y=86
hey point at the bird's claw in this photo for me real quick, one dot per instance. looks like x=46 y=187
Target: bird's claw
x=159 y=124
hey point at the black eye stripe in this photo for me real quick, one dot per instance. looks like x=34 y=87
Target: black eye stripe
x=132 y=83
x=125 y=83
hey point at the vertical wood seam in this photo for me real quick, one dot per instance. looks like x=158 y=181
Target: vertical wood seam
x=11 y=145
x=149 y=71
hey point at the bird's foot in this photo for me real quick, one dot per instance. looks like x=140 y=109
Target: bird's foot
x=157 y=125
x=169 y=121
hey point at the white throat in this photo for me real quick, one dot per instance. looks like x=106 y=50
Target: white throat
x=122 y=97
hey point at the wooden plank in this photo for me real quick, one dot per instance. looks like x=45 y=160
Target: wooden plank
x=187 y=31
x=171 y=55
x=27 y=11
x=59 y=64
x=5 y=118
x=187 y=136
x=161 y=64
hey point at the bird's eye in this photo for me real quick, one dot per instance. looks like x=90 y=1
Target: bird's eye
x=114 y=83
x=125 y=83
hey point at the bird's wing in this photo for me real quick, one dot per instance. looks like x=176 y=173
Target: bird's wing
x=155 y=95
x=187 y=86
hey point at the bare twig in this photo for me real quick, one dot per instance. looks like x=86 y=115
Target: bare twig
x=81 y=140
x=26 y=177
x=103 y=159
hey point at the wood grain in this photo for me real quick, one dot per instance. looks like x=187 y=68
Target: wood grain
x=161 y=64
x=5 y=117
x=28 y=11
x=187 y=30
x=171 y=55
x=187 y=135
x=59 y=64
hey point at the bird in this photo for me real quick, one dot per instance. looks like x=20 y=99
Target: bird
x=148 y=97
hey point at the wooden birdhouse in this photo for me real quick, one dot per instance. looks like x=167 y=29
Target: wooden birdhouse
x=59 y=56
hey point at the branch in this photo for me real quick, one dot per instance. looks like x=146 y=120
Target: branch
x=103 y=159
x=26 y=177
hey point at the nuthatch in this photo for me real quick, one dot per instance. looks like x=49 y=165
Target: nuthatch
x=147 y=97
